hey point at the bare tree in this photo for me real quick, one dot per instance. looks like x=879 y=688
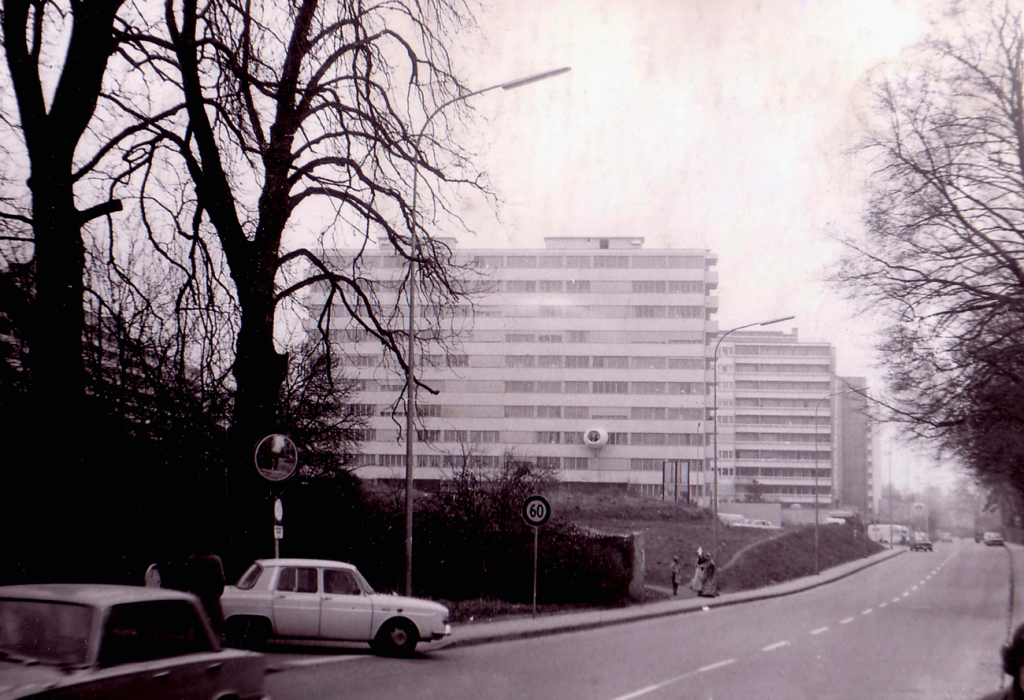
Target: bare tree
x=943 y=246
x=79 y=39
x=296 y=129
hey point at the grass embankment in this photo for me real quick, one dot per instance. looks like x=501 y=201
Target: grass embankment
x=748 y=558
x=791 y=555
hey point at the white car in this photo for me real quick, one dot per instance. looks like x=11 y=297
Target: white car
x=330 y=600
x=759 y=524
x=116 y=642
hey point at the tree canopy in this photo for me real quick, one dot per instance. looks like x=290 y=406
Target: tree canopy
x=942 y=253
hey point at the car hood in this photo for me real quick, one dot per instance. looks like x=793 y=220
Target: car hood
x=17 y=680
x=400 y=603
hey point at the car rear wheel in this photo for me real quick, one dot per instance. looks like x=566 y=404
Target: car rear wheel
x=247 y=632
x=397 y=638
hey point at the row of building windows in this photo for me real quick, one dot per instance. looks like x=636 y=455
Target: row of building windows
x=780 y=369
x=635 y=412
x=581 y=311
x=773 y=402
x=784 y=350
x=823 y=437
x=770 y=490
x=459 y=436
x=782 y=420
x=358 y=335
x=584 y=387
x=672 y=262
x=603 y=286
x=823 y=473
x=746 y=385
x=492 y=461
x=784 y=455
x=554 y=437
x=603 y=362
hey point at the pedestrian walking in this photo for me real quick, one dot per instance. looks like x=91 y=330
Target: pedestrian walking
x=709 y=580
x=1013 y=664
x=676 y=572
x=698 y=574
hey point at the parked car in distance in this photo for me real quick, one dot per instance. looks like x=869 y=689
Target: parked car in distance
x=993 y=539
x=760 y=524
x=116 y=642
x=731 y=519
x=329 y=600
x=921 y=542
x=946 y=537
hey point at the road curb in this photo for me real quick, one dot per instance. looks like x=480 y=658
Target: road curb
x=526 y=628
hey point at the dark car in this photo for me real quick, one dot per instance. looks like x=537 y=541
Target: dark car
x=921 y=542
x=113 y=642
x=993 y=539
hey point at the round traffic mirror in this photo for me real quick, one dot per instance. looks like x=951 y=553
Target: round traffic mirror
x=276 y=457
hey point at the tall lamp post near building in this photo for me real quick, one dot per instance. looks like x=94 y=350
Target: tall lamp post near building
x=410 y=374
x=817 y=406
x=721 y=337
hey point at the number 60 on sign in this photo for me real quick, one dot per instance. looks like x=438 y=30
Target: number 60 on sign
x=536 y=510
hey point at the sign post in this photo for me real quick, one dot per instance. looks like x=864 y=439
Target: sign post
x=536 y=512
x=277 y=459
x=278 y=527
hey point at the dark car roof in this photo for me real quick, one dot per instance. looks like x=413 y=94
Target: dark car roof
x=94 y=594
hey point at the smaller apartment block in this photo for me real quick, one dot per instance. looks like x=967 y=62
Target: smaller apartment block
x=775 y=427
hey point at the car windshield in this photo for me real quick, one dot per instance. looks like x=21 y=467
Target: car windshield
x=46 y=631
x=362 y=582
x=250 y=577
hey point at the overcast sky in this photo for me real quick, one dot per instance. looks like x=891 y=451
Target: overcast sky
x=713 y=124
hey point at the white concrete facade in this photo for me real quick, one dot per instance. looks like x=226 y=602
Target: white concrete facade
x=585 y=334
x=775 y=418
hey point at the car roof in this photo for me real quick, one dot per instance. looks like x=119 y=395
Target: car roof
x=93 y=594
x=305 y=562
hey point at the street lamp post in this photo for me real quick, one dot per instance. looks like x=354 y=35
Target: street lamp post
x=714 y=501
x=410 y=374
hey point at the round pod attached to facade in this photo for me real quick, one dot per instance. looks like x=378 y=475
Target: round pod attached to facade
x=595 y=438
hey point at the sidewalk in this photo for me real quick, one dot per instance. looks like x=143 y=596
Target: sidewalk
x=469 y=634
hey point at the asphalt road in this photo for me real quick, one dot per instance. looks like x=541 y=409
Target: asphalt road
x=921 y=625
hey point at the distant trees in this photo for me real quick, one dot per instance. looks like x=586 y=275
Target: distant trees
x=943 y=251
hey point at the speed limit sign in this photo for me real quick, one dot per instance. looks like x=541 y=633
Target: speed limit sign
x=536 y=510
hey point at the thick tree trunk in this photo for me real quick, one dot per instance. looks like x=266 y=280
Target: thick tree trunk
x=259 y=372
x=58 y=315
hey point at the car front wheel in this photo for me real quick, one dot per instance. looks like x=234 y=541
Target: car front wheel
x=247 y=632
x=397 y=638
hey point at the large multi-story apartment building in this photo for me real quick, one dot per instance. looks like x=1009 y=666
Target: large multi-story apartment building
x=775 y=419
x=589 y=356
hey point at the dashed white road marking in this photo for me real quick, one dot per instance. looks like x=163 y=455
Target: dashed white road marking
x=866 y=612
x=882 y=604
x=846 y=621
x=906 y=593
x=777 y=645
x=649 y=689
x=719 y=664
x=914 y=588
x=820 y=630
x=895 y=600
